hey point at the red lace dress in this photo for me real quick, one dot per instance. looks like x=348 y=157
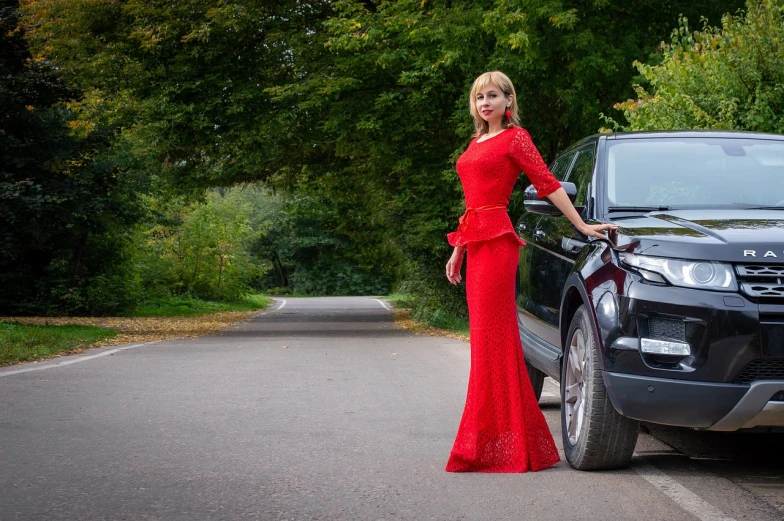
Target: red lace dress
x=502 y=428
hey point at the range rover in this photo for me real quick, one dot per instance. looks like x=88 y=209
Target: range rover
x=677 y=317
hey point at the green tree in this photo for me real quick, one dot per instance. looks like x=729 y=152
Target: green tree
x=64 y=205
x=200 y=248
x=392 y=102
x=727 y=77
x=187 y=81
x=242 y=239
x=357 y=107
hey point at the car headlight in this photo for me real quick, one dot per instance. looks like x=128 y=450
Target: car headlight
x=688 y=274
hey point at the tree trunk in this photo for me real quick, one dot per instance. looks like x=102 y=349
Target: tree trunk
x=277 y=263
x=181 y=261
x=220 y=275
x=196 y=267
x=81 y=248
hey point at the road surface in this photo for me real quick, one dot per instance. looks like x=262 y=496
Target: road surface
x=322 y=409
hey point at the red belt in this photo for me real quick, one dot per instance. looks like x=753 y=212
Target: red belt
x=463 y=220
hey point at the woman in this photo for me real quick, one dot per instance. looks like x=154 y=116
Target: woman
x=502 y=428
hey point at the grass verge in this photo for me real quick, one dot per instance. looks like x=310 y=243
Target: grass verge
x=437 y=323
x=192 y=307
x=20 y=342
x=37 y=338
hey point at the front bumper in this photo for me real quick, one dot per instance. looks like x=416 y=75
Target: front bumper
x=705 y=405
x=722 y=330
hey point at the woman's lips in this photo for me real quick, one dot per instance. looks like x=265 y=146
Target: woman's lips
x=487 y=112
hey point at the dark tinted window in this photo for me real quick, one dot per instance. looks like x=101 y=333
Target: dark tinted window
x=581 y=174
x=561 y=166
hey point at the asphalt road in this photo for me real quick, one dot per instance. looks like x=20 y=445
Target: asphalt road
x=322 y=410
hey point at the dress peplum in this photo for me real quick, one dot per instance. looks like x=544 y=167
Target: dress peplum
x=502 y=428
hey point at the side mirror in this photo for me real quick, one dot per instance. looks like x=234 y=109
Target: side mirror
x=534 y=204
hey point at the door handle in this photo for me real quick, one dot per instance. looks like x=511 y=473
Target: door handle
x=539 y=234
x=572 y=245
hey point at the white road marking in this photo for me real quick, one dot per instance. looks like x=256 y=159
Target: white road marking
x=384 y=304
x=69 y=362
x=682 y=496
x=90 y=357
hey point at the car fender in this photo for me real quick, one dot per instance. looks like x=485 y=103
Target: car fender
x=586 y=285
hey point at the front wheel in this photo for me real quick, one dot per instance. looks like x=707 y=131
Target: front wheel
x=595 y=436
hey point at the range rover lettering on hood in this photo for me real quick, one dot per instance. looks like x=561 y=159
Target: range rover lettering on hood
x=753 y=253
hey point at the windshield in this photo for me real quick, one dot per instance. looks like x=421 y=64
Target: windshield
x=695 y=172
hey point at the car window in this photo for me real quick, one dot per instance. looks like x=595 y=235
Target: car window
x=561 y=166
x=581 y=173
x=696 y=172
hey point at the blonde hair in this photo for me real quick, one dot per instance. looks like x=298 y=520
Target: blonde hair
x=502 y=81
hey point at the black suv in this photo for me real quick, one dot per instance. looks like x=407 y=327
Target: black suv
x=678 y=317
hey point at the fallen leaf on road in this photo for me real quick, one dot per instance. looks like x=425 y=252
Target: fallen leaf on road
x=403 y=319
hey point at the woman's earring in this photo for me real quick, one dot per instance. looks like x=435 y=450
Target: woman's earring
x=508 y=114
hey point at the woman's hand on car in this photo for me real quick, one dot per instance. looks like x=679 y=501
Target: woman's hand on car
x=563 y=203
x=596 y=230
x=454 y=266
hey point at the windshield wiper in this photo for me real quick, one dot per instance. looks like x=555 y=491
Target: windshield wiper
x=763 y=207
x=638 y=208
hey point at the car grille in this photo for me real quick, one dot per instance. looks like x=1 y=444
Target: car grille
x=761 y=369
x=761 y=281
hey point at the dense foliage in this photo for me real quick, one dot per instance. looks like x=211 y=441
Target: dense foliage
x=356 y=110
x=239 y=240
x=65 y=207
x=391 y=99
x=726 y=77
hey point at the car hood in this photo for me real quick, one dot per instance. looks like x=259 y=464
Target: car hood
x=734 y=235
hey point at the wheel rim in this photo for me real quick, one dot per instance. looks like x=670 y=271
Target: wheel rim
x=574 y=386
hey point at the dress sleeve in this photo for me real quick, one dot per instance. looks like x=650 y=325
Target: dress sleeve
x=524 y=153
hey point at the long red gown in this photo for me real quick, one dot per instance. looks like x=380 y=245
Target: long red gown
x=502 y=428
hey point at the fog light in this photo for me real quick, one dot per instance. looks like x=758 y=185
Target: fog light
x=664 y=347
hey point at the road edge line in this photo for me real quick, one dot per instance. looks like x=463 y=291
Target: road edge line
x=682 y=496
x=69 y=362
x=383 y=304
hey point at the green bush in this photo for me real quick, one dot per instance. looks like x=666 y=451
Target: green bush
x=188 y=306
x=728 y=77
x=336 y=276
x=201 y=248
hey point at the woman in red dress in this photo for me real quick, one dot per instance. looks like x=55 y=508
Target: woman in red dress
x=502 y=428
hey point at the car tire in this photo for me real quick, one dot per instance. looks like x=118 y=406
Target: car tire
x=537 y=379
x=595 y=436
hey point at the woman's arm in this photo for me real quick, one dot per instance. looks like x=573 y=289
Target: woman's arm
x=523 y=152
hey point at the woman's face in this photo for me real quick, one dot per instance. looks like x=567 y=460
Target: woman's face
x=491 y=103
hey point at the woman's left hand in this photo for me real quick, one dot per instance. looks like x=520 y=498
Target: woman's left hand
x=596 y=230
x=563 y=203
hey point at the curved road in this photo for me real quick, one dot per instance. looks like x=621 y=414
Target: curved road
x=321 y=409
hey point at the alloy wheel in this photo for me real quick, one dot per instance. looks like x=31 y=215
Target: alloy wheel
x=574 y=390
